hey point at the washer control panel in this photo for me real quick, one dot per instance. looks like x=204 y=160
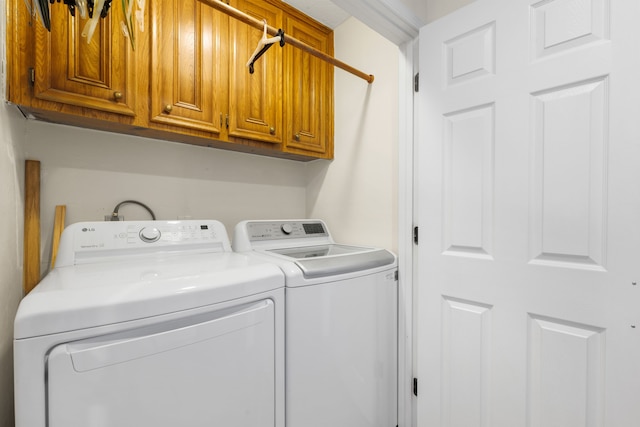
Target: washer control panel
x=278 y=230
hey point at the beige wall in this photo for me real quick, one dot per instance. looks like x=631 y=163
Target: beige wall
x=11 y=231
x=91 y=171
x=11 y=226
x=357 y=192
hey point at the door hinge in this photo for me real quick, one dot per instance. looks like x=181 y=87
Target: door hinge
x=32 y=75
x=415 y=387
x=415 y=235
x=416 y=82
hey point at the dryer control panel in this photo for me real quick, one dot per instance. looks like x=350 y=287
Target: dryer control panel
x=88 y=242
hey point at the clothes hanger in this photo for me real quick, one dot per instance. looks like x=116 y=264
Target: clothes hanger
x=92 y=11
x=263 y=45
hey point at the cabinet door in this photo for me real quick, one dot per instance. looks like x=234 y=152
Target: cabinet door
x=98 y=74
x=255 y=101
x=308 y=93
x=188 y=66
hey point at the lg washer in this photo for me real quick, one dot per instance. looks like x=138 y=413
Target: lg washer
x=341 y=323
x=154 y=323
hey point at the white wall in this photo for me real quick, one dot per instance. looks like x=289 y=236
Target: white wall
x=430 y=10
x=11 y=231
x=438 y=8
x=421 y=7
x=357 y=193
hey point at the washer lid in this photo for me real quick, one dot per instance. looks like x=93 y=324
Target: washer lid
x=85 y=296
x=329 y=260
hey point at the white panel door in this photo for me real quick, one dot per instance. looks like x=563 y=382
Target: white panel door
x=529 y=211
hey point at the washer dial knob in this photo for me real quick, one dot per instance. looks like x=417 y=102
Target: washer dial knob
x=150 y=235
x=286 y=228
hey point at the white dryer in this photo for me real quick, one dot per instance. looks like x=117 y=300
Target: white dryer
x=341 y=323
x=154 y=323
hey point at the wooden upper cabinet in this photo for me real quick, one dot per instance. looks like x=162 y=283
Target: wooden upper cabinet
x=186 y=81
x=255 y=100
x=99 y=74
x=308 y=92
x=188 y=65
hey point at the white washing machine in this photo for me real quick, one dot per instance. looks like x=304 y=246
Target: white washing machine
x=341 y=323
x=154 y=323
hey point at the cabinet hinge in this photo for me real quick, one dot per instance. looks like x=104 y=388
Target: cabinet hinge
x=32 y=75
x=415 y=387
x=416 y=82
x=415 y=235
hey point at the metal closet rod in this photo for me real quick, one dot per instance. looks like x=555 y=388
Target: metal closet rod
x=249 y=20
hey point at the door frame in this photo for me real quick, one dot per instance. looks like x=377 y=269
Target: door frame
x=407 y=215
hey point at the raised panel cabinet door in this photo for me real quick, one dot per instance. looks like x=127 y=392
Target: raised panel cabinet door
x=308 y=92
x=70 y=69
x=255 y=100
x=188 y=66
